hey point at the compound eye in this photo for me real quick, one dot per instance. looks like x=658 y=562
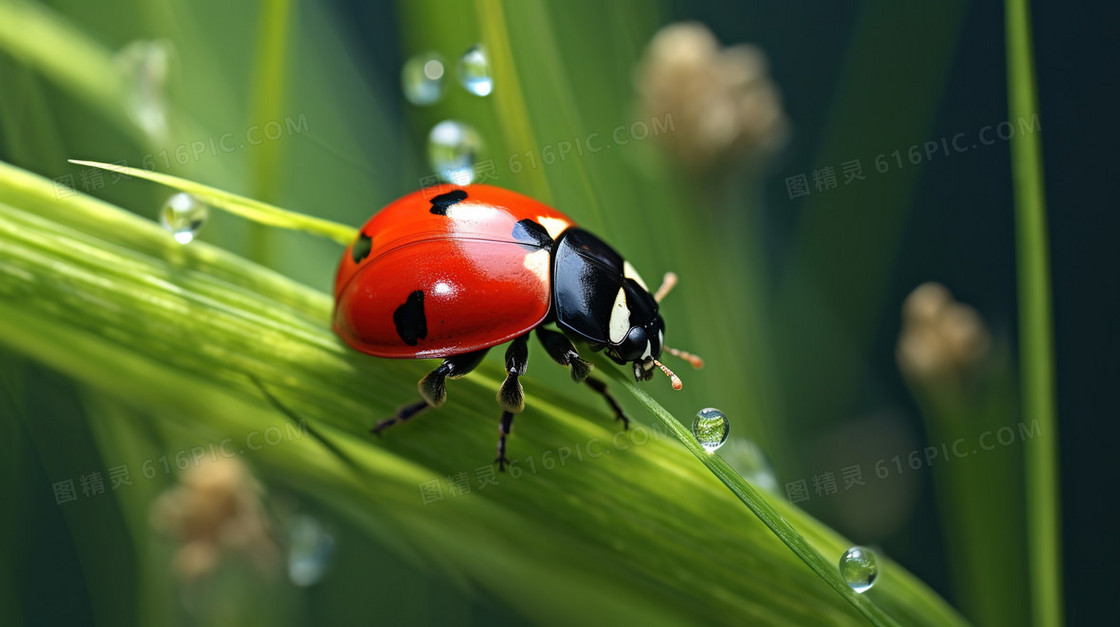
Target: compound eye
x=635 y=346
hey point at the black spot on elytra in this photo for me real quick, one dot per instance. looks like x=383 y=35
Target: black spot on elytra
x=360 y=249
x=411 y=323
x=531 y=233
x=441 y=203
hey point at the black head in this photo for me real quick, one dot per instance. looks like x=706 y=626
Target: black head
x=600 y=298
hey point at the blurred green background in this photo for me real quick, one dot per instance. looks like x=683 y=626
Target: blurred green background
x=793 y=298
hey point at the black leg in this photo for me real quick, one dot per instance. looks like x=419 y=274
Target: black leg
x=561 y=350
x=503 y=431
x=402 y=415
x=433 y=387
x=601 y=388
x=511 y=396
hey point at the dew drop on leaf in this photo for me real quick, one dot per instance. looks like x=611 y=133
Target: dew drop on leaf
x=711 y=428
x=183 y=215
x=859 y=568
x=474 y=71
x=422 y=78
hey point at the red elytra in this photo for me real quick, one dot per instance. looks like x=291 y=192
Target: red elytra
x=479 y=285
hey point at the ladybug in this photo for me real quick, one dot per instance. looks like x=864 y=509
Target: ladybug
x=452 y=274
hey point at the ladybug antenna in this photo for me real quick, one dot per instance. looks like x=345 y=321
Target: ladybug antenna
x=667 y=284
x=696 y=361
x=669 y=373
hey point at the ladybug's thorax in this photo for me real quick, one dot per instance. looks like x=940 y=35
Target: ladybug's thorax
x=599 y=297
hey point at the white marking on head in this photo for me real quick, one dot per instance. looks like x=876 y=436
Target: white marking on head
x=649 y=351
x=620 y=318
x=553 y=226
x=630 y=272
x=539 y=263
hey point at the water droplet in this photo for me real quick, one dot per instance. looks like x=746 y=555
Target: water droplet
x=183 y=215
x=422 y=78
x=859 y=568
x=453 y=148
x=145 y=66
x=310 y=552
x=474 y=71
x=711 y=428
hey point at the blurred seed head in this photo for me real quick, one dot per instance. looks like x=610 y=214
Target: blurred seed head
x=215 y=510
x=940 y=337
x=724 y=107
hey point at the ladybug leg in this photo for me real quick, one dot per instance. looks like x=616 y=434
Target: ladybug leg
x=511 y=396
x=433 y=387
x=601 y=388
x=403 y=414
x=563 y=352
x=503 y=432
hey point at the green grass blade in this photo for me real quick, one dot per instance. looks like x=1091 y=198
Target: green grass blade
x=980 y=497
x=760 y=507
x=269 y=91
x=255 y=210
x=269 y=97
x=591 y=522
x=1036 y=340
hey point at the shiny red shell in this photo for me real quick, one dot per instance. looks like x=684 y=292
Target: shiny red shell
x=445 y=276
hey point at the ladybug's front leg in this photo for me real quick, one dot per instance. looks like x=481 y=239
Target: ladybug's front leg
x=561 y=349
x=563 y=352
x=601 y=388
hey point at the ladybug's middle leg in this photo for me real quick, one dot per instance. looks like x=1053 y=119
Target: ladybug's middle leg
x=433 y=387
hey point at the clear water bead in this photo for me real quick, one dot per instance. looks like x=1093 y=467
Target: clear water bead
x=711 y=428
x=422 y=78
x=453 y=149
x=310 y=552
x=474 y=71
x=859 y=568
x=183 y=215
